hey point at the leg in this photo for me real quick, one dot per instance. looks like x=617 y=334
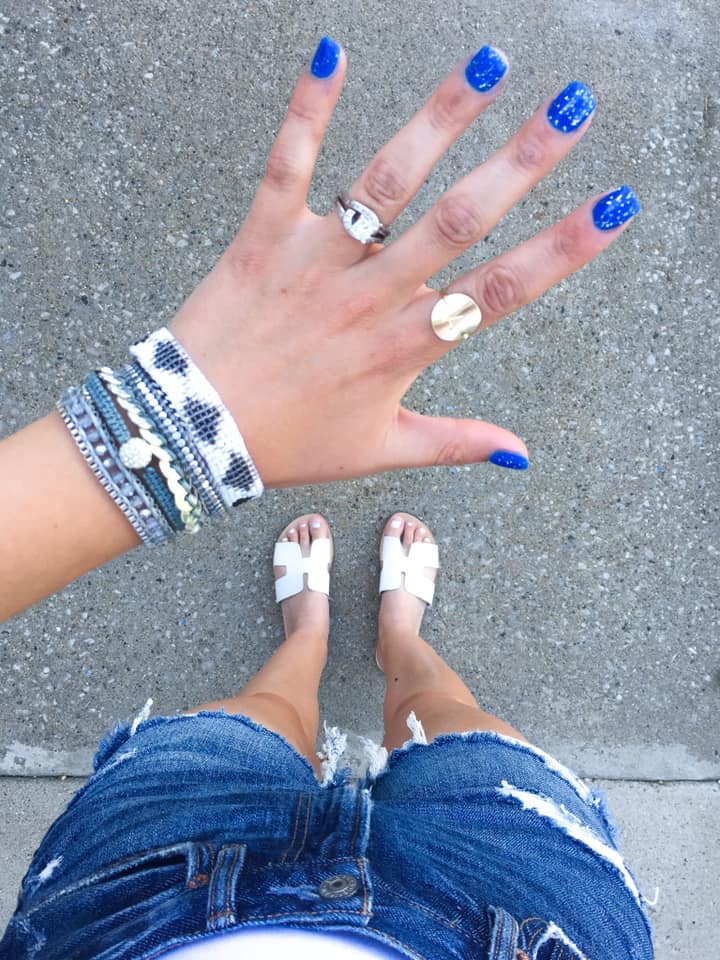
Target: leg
x=283 y=694
x=416 y=677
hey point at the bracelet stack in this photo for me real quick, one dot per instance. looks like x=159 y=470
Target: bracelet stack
x=160 y=441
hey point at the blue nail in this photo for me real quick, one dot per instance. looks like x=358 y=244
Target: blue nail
x=615 y=208
x=326 y=58
x=513 y=461
x=571 y=107
x=485 y=69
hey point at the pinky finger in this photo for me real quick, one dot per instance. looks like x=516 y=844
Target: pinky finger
x=519 y=276
x=288 y=173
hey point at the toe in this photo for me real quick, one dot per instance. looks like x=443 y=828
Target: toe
x=318 y=527
x=304 y=537
x=394 y=526
x=409 y=533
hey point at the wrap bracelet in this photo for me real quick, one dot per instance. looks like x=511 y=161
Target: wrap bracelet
x=117 y=426
x=185 y=500
x=101 y=455
x=157 y=406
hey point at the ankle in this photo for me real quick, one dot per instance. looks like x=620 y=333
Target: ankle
x=308 y=636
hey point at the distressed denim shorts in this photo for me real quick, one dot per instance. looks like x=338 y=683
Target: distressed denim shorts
x=474 y=846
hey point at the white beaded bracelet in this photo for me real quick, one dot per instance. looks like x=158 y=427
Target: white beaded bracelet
x=203 y=414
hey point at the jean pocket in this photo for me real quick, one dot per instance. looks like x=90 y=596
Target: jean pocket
x=119 y=904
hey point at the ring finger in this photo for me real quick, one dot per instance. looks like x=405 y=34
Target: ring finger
x=400 y=168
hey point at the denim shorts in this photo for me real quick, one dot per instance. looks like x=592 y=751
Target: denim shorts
x=474 y=846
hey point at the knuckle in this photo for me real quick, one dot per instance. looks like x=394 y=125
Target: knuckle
x=444 y=109
x=305 y=111
x=567 y=241
x=245 y=260
x=500 y=290
x=281 y=171
x=458 y=222
x=451 y=453
x=365 y=307
x=383 y=184
x=529 y=155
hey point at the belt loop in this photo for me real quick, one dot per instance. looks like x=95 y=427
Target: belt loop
x=200 y=863
x=221 y=896
x=503 y=935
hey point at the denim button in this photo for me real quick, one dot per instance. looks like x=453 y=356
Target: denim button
x=343 y=885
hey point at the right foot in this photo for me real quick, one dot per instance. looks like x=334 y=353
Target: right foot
x=401 y=612
x=306 y=612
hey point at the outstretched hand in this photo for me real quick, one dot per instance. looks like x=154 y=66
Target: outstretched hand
x=312 y=338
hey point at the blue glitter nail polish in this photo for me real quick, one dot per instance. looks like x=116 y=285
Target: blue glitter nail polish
x=486 y=69
x=615 y=208
x=571 y=107
x=325 y=59
x=513 y=461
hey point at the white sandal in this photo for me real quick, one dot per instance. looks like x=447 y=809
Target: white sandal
x=288 y=554
x=395 y=563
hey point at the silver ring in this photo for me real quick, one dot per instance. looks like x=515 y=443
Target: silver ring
x=361 y=222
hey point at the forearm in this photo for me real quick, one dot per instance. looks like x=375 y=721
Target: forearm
x=57 y=522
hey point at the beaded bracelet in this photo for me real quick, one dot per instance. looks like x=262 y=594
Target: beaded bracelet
x=158 y=408
x=196 y=402
x=185 y=499
x=117 y=426
x=75 y=408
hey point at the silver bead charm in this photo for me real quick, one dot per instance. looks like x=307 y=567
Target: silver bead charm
x=135 y=453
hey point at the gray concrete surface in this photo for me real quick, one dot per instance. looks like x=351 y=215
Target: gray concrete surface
x=578 y=600
x=677 y=873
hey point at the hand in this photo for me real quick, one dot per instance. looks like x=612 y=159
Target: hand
x=312 y=338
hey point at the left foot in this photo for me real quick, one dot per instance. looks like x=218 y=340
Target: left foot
x=306 y=612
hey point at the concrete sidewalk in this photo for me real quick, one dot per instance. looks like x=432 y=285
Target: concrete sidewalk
x=578 y=600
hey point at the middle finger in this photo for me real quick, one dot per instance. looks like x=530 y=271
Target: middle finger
x=398 y=170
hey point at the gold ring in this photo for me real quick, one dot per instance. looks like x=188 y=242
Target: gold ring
x=455 y=316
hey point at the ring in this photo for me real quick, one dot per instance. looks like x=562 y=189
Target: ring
x=360 y=221
x=455 y=316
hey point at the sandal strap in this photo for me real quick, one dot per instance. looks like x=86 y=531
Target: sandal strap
x=289 y=555
x=395 y=563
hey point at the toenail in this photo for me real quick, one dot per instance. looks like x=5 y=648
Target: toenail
x=396 y=523
x=427 y=540
x=284 y=539
x=423 y=530
x=316 y=524
x=303 y=524
x=291 y=530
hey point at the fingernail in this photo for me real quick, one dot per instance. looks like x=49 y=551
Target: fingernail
x=513 y=461
x=486 y=69
x=615 y=208
x=325 y=59
x=395 y=524
x=571 y=107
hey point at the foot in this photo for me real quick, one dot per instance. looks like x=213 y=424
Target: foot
x=306 y=612
x=401 y=612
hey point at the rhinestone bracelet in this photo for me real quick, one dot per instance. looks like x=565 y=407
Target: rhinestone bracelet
x=117 y=426
x=75 y=408
x=158 y=407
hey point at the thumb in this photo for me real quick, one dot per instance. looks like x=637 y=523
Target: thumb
x=421 y=441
